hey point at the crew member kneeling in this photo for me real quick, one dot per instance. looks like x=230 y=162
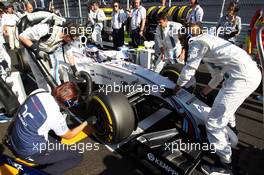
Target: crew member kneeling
x=242 y=77
x=39 y=114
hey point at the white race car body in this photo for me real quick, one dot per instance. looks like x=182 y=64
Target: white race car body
x=118 y=72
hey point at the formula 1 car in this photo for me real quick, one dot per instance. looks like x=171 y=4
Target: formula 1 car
x=133 y=117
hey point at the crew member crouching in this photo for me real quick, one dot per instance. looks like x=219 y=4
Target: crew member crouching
x=38 y=115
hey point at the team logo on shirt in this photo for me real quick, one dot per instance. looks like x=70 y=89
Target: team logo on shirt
x=22 y=115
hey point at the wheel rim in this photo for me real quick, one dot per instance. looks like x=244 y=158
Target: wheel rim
x=103 y=127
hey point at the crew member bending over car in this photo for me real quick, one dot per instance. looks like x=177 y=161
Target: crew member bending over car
x=242 y=77
x=39 y=114
x=43 y=40
x=167 y=36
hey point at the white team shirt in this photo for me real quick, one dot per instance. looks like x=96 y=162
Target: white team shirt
x=36 y=32
x=55 y=120
x=9 y=19
x=224 y=59
x=168 y=38
x=196 y=15
x=137 y=16
x=118 y=19
x=97 y=17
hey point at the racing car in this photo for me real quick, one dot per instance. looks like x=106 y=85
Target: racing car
x=135 y=119
x=132 y=116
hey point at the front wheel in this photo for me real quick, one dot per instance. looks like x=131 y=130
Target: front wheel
x=114 y=114
x=173 y=71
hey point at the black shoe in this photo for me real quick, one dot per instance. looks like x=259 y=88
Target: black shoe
x=218 y=169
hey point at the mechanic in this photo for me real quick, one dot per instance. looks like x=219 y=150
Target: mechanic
x=2 y=39
x=29 y=8
x=229 y=26
x=137 y=23
x=196 y=15
x=167 y=36
x=96 y=18
x=242 y=77
x=9 y=21
x=38 y=115
x=44 y=40
x=118 y=21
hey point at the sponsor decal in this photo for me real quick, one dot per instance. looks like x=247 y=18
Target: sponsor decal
x=161 y=164
x=114 y=74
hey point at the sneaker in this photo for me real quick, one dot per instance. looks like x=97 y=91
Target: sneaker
x=4 y=118
x=220 y=169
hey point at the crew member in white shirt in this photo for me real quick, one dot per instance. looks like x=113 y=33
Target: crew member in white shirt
x=167 y=36
x=241 y=78
x=96 y=18
x=138 y=20
x=9 y=21
x=196 y=15
x=119 y=18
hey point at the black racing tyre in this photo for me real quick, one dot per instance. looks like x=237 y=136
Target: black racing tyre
x=180 y=13
x=185 y=13
x=152 y=15
x=175 y=13
x=172 y=71
x=170 y=12
x=115 y=116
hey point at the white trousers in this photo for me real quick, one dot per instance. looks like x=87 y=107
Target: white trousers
x=233 y=93
x=96 y=35
x=12 y=37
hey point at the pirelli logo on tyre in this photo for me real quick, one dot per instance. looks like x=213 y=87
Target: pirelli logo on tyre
x=151 y=157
